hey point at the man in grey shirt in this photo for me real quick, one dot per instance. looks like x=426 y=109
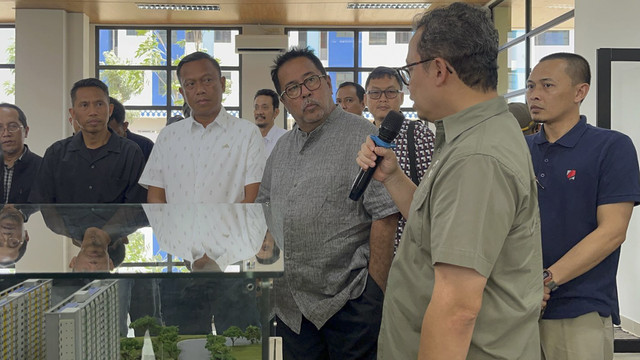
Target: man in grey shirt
x=337 y=252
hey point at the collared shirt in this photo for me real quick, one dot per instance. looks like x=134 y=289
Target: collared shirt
x=71 y=174
x=226 y=233
x=194 y=164
x=585 y=168
x=326 y=235
x=19 y=178
x=272 y=138
x=476 y=208
x=423 y=140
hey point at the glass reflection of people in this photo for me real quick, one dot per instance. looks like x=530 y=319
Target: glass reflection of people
x=269 y=252
x=94 y=254
x=13 y=236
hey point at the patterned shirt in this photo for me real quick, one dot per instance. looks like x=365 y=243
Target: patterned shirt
x=213 y=164
x=423 y=140
x=307 y=180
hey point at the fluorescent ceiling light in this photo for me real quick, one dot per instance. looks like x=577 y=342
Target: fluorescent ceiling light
x=179 y=7
x=388 y=5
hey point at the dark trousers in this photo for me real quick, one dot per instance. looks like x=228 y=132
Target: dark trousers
x=352 y=333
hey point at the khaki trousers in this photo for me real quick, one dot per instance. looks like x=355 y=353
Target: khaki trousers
x=587 y=337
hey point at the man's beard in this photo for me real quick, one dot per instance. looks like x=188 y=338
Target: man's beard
x=262 y=125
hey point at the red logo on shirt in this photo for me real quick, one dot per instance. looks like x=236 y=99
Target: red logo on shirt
x=571 y=174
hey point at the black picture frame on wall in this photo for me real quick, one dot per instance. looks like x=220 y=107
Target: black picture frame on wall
x=604 y=58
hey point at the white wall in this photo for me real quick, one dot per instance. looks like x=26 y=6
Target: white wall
x=606 y=24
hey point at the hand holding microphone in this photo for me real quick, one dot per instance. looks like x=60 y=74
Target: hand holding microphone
x=388 y=131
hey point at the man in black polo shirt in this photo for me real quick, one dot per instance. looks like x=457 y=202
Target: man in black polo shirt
x=118 y=124
x=94 y=165
x=20 y=164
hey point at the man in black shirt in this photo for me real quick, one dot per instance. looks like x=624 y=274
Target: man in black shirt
x=118 y=124
x=20 y=165
x=94 y=165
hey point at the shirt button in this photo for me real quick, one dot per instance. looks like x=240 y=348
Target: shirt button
x=90 y=187
x=546 y=160
x=542 y=175
x=93 y=166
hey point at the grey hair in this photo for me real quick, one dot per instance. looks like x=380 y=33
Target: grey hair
x=465 y=36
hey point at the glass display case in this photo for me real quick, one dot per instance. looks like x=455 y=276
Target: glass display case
x=89 y=281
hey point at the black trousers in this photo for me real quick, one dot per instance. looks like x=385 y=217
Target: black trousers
x=352 y=333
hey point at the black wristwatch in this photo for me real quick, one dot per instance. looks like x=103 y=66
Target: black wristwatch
x=547 y=277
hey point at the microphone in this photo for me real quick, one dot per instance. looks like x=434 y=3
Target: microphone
x=388 y=131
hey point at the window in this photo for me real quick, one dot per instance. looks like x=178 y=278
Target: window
x=403 y=37
x=140 y=70
x=553 y=37
x=378 y=38
x=7 y=64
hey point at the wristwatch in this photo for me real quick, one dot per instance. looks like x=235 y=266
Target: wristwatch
x=547 y=277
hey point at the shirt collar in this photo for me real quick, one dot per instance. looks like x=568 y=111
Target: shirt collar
x=335 y=113
x=570 y=139
x=77 y=142
x=223 y=120
x=456 y=124
x=272 y=133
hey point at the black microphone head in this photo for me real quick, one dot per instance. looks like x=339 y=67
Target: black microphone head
x=391 y=126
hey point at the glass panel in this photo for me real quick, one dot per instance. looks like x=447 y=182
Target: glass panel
x=132 y=47
x=231 y=95
x=7 y=86
x=218 y=43
x=545 y=11
x=333 y=48
x=137 y=87
x=511 y=67
x=7 y=46
x=556 y=39
x=393 y=54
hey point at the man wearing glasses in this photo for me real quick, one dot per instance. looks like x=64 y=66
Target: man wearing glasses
x=20 y=164
x=414 y=143
x=337 y=252
x=465 y=282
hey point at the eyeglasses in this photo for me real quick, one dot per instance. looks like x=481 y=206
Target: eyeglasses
x=405 y=74
x=12 y=127
x=389 y=93
x=11 y=242
x=295 y=90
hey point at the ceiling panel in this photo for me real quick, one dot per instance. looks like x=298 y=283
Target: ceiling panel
x=233 y=12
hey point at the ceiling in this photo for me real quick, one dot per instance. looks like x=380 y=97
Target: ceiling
x=233 y=12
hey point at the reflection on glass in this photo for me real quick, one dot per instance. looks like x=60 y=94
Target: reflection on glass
x=545 y=11
x=138 y=87
x=7 y=85
x=214 y=238
x=13 y=236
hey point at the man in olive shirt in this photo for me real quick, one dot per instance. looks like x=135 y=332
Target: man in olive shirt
x=465 y=282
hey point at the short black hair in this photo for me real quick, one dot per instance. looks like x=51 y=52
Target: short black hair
x=382 y=72
x=294 y=52
x=21 y=116
x=195 y=56
x=117 y=251
x=89 y=82
x=118 y=114
x=577 y=66
x=268 y=92
x=359 y=89
x=21 y=252
x=271 y=259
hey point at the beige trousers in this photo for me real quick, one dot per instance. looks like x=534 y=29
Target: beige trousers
x=587 y=337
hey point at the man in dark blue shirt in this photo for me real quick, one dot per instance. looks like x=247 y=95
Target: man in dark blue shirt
x=118 y=124
x=588 y=185
x=94 y=165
